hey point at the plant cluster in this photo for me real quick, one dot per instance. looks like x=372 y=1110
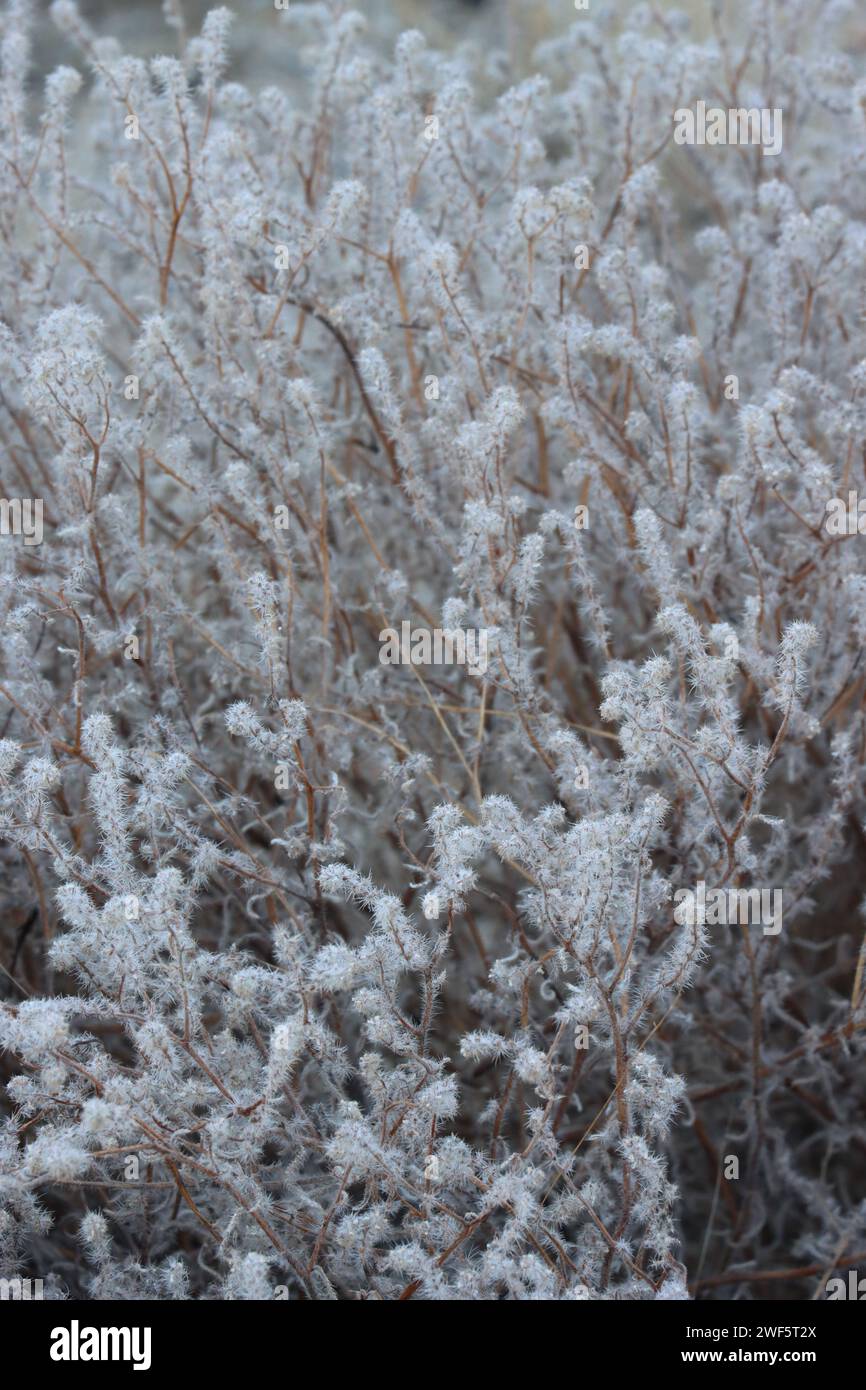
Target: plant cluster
x=327 y=978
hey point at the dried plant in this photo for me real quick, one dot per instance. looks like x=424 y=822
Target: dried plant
x=325 y=977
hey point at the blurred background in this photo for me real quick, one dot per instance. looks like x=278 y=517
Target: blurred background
x=512 y=25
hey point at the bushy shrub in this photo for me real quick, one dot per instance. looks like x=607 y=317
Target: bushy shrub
x=331 y=978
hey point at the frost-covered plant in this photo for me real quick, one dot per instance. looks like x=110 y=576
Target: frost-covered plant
x=325 y=978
